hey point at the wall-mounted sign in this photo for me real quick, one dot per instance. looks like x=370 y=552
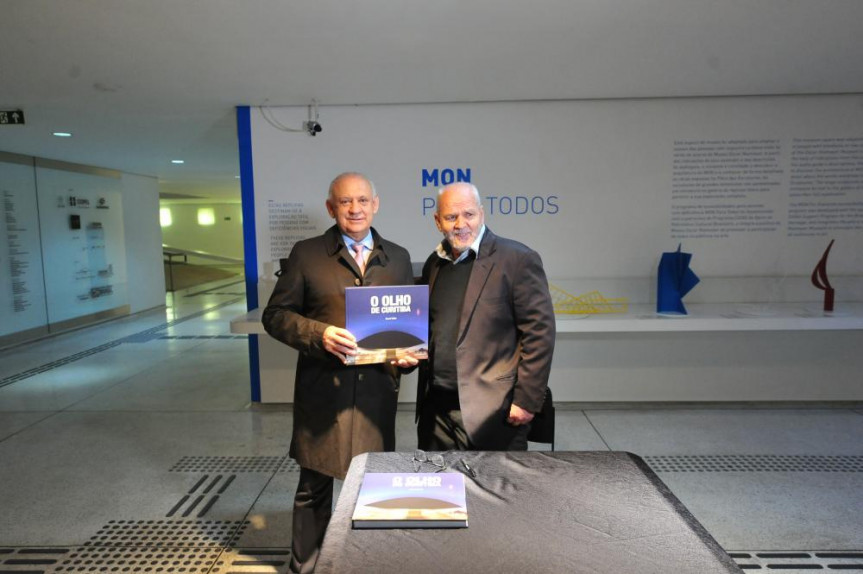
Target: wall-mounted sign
x=14 y=117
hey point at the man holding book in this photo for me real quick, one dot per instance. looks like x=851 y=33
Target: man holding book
x=339 y=411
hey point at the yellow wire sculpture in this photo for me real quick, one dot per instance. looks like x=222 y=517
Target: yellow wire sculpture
x=587 y=304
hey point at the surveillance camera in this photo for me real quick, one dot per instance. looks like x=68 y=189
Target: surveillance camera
x=314 y=128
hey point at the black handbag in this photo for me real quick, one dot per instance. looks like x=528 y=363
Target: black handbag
x=542 y=425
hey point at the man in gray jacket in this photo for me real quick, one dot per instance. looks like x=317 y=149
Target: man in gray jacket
x=339 y=411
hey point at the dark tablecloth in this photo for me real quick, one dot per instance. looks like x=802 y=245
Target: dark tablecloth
x=591 y=512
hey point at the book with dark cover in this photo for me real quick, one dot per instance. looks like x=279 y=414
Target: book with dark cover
x=411 y=500
x=388 y=322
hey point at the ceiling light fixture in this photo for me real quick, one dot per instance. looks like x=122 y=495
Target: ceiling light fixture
x=178 y=161
x=62 y=134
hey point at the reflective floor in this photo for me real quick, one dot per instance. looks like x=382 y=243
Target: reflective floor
x=132 y=446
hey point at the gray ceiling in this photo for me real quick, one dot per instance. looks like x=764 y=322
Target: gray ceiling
x=141 y=82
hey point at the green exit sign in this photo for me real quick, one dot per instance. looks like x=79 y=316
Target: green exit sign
x=11 y=117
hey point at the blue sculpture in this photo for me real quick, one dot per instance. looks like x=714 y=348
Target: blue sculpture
x=675 y=280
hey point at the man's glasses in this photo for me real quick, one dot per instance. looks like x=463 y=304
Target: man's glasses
x=421 y=458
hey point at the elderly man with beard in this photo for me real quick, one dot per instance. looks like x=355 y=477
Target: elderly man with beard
x=492 y=333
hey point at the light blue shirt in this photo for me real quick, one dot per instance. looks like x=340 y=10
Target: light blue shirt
x=441 y=252
x=368 y=243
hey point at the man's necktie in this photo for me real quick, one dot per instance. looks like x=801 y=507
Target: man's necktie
x=358 y=256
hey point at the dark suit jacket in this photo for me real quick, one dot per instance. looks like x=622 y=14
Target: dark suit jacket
x=339 y=411
x=505 y=341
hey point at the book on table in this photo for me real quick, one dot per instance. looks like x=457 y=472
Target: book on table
x=411 y=500
x=389 y=322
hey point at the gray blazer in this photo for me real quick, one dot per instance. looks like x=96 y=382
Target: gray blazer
x=505 y=341
x=339 y=411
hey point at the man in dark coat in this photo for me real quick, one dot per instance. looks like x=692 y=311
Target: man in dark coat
x=339 y=411
x=492 y=333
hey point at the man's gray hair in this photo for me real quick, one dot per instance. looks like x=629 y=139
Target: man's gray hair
x=348 y=174
x=472 y=187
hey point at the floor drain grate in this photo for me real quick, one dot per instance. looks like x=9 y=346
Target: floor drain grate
x=167 y=533
x=228 y=464
x=755 y=463
x=793 y=561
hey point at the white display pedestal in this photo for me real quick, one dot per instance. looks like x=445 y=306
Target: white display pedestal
x=718 y=352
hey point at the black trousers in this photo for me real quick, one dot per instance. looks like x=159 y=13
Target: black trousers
x=313 y=505
x=441 y=427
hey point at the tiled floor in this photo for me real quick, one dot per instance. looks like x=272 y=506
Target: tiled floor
x=133 y=447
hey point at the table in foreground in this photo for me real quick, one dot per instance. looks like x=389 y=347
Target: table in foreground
x=590 y=512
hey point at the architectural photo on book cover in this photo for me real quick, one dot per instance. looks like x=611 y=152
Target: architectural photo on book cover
x=389 y=322
x=411 y=500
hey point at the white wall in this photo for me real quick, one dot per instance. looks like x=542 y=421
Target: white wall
x=601 y=175
x=145 y=270
x=755 y=188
